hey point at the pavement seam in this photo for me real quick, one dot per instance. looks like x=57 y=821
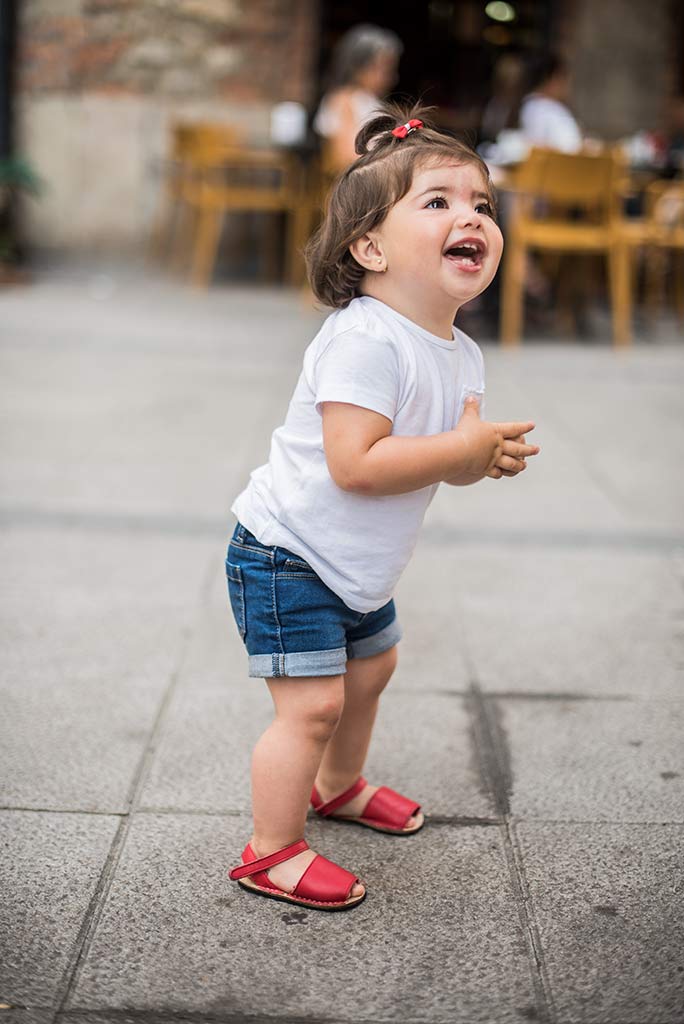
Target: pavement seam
x=197 y=1017
x=638 y=541
x=97 y=903
x=492 y=748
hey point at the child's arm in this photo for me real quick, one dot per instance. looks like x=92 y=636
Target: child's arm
x=363 y=457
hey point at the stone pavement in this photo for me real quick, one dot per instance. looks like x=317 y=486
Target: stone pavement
x=537 y=713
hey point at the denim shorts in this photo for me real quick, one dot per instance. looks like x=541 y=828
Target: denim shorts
x=291 y=623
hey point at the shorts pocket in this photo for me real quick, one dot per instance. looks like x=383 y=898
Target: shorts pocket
x=236 y=592
x=297 y=567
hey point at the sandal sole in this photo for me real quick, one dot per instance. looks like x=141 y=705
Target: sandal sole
x=299 y=901
x=376 y=828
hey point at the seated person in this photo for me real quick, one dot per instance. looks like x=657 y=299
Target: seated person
x=545 y=119
x=363 y=70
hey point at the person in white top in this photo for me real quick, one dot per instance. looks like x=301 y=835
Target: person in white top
x=363 y=70
x=388 y=405
x=545 y=118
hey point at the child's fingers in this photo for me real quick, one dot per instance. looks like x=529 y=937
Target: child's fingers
x=511 y=430
x=519 y=451
x=508 y=464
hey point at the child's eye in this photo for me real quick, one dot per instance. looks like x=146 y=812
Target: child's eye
x=485 y=208
x=440 y=200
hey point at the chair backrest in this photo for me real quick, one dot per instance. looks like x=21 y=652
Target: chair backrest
x=187 y=137
x=665 y=205
x=571 y=180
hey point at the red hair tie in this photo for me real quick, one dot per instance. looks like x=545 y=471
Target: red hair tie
x=402 y=130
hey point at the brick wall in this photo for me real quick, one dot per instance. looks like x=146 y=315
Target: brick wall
x=100 y=80
x=623 y=57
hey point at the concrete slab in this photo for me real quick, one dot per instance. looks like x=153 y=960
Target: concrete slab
x=610 y=968
x=175 y=935
x=134 y=411
x=590 y=761
x=28 y=1016
x=433 y=654
x=93 y=629
x=591 y=404
x=618 y=864
x=216 y=715
x=48 y=875
x=600 y=622
x=102 y=404
x=612 y=943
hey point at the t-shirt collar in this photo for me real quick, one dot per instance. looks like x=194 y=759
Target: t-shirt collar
x=434 y=339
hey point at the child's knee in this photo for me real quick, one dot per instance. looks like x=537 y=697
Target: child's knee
x=321 y=716
x=312 y=707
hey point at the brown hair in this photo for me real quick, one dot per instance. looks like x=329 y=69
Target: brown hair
x=363 y=195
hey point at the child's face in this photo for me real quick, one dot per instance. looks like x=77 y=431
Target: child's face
x=440 y=243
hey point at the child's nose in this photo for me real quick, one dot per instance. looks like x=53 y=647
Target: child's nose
x=468 y=217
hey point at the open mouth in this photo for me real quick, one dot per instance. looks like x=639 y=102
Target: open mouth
x=467 y=254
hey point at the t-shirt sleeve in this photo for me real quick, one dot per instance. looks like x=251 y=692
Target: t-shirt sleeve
x=360 y=369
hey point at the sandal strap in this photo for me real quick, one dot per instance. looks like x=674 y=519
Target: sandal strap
x=325 y=808
x=250 y=867
x=325 y=882
x=389 y=809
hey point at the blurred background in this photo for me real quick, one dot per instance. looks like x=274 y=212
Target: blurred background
x=201 y=135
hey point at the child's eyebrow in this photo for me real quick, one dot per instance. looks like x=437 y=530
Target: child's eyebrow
x=448 y=188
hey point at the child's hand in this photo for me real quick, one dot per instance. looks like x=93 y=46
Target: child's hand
x=520 y=459
x=494 y=449
x=514 y=450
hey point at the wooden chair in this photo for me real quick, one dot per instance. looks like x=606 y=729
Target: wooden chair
x=171 y=227
x=566 y=203
x=229 y=178
x=664 y=209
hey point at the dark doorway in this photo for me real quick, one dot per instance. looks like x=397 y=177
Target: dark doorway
x=450 y=46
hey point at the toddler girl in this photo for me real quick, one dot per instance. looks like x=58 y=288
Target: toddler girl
x=386 y=408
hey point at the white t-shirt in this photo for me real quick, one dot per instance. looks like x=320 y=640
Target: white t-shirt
x=368 y=355
x=546 y=122
x=328 y=122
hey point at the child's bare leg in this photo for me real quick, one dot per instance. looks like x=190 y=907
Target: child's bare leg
x=284 y=766
x=345 y=753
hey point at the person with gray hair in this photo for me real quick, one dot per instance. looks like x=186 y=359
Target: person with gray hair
x=362 y=70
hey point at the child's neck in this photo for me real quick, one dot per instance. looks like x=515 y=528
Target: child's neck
x=435 y=320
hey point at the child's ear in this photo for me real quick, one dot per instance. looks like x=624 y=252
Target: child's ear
x=368 y=253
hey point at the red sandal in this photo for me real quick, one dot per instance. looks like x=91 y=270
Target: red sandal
x=323 y=885
x=386 y=811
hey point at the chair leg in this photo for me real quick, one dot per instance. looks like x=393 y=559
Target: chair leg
x=270 y=227
x=619 y=260
x=184 y=229
x=298 y=220
x=678 y=278
x=653 y=280
x=206 y=244
x=512 y=294
x=158 y=241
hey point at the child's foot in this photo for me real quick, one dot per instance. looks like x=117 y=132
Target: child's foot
x=355 y=807
x=287 y=874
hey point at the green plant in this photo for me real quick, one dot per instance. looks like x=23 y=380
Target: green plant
x=16 y=174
